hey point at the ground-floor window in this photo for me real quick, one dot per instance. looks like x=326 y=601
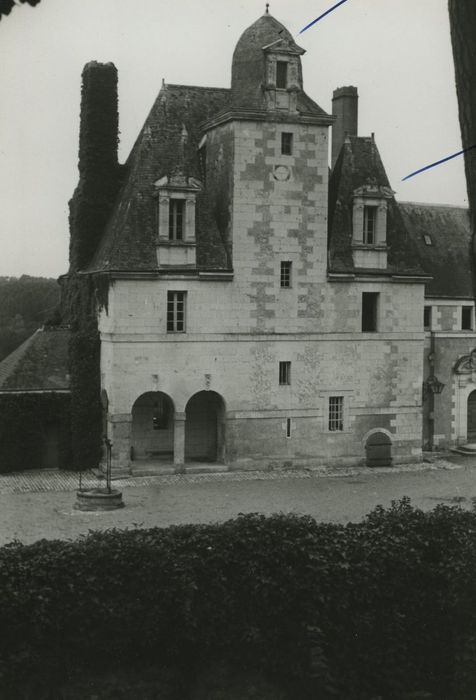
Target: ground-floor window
x=336 y=413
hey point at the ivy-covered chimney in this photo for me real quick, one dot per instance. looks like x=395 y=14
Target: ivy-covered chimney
x=94 y=196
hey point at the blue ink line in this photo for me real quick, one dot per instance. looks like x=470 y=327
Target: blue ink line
x=323 y=15
x=438 y=162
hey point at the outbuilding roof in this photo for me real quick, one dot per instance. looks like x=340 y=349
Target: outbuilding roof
x=441 y=235
x=38 y=364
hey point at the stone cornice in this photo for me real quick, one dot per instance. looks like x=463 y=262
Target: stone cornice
x=278 y=116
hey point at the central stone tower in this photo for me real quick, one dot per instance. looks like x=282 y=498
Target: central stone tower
x=267 y=168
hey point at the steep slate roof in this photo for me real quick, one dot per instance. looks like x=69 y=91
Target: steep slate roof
x=40 y=363
x=128 y=243
x=448 y=258
x=358 y=163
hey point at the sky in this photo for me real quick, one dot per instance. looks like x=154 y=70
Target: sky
x=397 y=52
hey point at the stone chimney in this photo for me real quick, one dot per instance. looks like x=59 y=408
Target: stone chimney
x=345 y=109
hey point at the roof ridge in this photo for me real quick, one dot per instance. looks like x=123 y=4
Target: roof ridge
x=195 y=87
x=434 y=204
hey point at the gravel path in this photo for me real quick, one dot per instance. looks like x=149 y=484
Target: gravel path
x=34 y=506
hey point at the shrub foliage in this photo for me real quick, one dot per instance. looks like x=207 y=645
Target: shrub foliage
x=367 y=610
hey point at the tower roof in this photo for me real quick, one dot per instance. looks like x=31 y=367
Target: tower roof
x=248 y=65
x=359 y=164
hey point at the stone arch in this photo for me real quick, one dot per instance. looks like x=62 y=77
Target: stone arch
x=463 y=387
x=378 y=448
x=377 y=430
x=205 y=414
x=471 y=416
x=152 y=434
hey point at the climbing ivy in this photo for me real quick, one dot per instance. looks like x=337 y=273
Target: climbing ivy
x=82 y=301
x=25 y=420
x=85 y=294
x=99 y=173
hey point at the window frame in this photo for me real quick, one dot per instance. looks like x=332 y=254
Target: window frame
x=335 y=414
x=285 y=274
x=427 y=309
x=288 y=427
x=370 y=313
x=366 y=233
x=287 y=143
x=173 y=311
x=467 y=308
x=284 y=373
x=177 y=214
x=282 y=71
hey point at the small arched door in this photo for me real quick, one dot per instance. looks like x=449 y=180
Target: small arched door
x=472 y=417
x=378 y=450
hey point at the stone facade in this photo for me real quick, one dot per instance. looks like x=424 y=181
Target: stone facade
x=239 y=329
x=446 y=344
x=261 y=315
x=262 y=311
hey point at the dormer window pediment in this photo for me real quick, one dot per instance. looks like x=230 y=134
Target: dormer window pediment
x=178 y=182
x=283 y=45
x=374 y=191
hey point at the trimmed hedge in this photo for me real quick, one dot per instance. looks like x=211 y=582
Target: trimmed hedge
x=368 y=610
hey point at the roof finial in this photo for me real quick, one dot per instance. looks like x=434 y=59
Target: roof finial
x=267 y=8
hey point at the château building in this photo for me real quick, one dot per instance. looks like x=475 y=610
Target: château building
x=264 y=310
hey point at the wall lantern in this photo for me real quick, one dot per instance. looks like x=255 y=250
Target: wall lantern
x=433 y=385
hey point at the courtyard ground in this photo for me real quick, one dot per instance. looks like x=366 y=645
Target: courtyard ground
x=39 y=505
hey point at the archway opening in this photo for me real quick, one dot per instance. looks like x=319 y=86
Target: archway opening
x=471 y=434
x=153 y=427
x=205 y=428
x=378 y=450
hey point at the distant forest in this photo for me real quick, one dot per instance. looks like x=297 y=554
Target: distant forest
x=25 y=304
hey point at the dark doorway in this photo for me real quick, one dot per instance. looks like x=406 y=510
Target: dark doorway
x=472 y=417
x=204 y=428
x=153 y=427
x=378 y=450
x=51 y=458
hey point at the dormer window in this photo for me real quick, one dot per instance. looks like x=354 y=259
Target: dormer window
x=281 y=74
x=176 y=219
x=370 y=225
x=176 y=200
